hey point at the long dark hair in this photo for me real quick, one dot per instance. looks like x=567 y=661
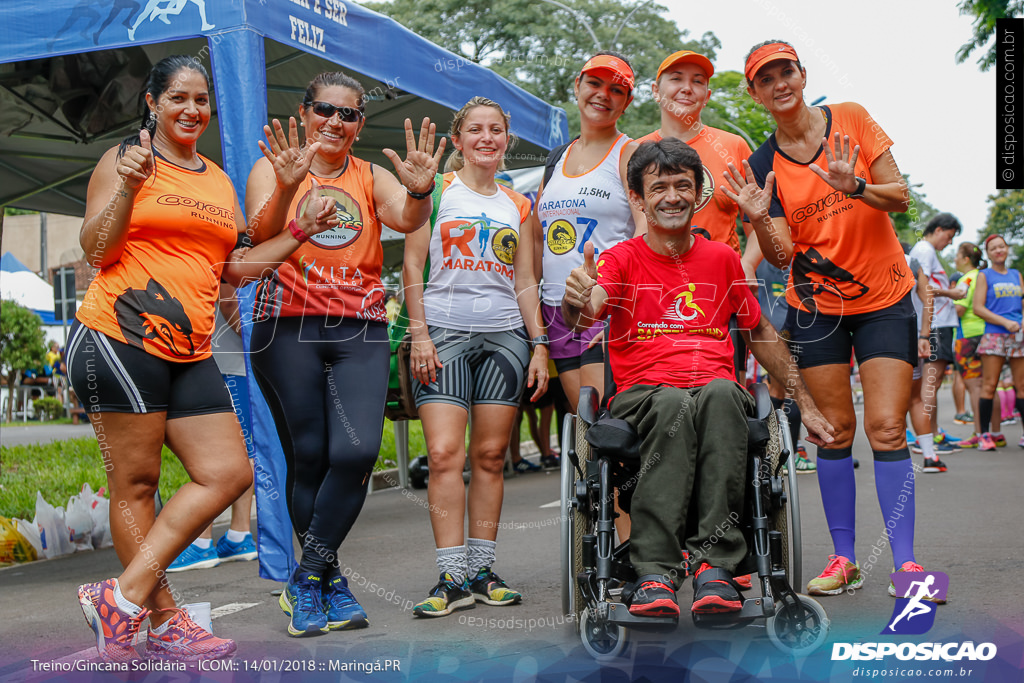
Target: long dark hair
x=971 y=252
x=160 y=78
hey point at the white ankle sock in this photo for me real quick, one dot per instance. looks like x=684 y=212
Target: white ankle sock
x=203 y=543
x=927 y=444
x=123 y=603
x=236 y=536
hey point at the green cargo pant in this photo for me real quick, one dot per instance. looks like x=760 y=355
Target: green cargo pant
x=693 y=455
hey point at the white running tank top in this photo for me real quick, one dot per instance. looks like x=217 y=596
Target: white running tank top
x=576 y=209
x=471 y=286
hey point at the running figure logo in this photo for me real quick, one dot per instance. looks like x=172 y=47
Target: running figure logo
x=913 y=614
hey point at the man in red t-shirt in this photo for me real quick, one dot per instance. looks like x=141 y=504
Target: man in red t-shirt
x=669 y=296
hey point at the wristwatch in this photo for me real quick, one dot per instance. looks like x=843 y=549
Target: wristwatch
x=541 y=340
x=859 y=192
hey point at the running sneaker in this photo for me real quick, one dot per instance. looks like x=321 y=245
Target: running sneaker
x=911 y=566
x=487 y=587
x=803 y=464
x=971 y=442
x=301 y=600
x=745 y=582
x=986 y=442
x=445 y=598
x=914 y=448
x=243 y=551
x=910 y=437
x=998 y=439
x=115 y=629
x=839 y=575
x=653 y=598
x=945 y=448
x=1012 y=420
x=524 y=466
x=551 y=461
x=944 y=436
x=1021 y=442
x=186 y=641
x=194 y=557
x=343 y=611
x=963 y=418
x=714 y=595
x=934 y=465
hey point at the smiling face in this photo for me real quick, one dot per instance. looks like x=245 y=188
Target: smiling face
x=601 y=96
x=668 y=199
x=997 y=250
x=682 y=91
x=335 y=136
x=483 y=137
x=183 y=110
x=779 y=86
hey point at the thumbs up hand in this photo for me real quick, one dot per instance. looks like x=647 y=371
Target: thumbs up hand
x=138 y=162
x=581 y=281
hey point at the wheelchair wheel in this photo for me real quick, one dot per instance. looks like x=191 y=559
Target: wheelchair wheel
x=798 y=630
x=575 y=522
x=778 y=517
x=605 y=641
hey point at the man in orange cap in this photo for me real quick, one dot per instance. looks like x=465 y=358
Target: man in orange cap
x=682 y=90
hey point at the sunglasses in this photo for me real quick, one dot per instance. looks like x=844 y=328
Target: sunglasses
x=326 y=110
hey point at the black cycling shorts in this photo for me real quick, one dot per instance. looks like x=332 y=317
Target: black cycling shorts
x=109 y=376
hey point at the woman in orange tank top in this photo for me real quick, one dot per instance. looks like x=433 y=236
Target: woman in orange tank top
x=319 y=343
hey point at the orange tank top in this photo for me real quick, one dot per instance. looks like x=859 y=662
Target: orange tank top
x=337 y=272
x=161 y=293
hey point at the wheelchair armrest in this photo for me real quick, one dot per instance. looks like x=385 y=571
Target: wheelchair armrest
x=589 y=405
x=762 y=401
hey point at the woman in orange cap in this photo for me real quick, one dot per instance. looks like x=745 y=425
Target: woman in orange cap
x=829 y=181
x=585 y=198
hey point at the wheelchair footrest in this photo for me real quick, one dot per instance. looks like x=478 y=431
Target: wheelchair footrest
x=618 y=613
x=753 y=608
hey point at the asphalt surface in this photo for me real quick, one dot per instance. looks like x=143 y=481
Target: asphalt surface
x=967 y=526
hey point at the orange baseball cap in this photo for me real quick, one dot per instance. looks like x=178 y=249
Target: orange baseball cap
x=686 y=57
x=766 y=54
x=618 y=67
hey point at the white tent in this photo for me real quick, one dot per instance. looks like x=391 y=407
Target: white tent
x=21 y=285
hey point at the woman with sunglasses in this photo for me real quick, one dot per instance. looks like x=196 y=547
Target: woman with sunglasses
x=319 y=342
x=829 y=181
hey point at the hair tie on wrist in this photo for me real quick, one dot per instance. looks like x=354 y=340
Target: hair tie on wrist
x=297 y=232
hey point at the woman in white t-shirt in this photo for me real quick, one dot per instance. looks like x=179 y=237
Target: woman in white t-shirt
x=471 y=353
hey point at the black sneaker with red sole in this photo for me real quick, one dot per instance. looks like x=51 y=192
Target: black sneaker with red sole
x=652 y=597
x=715 y=591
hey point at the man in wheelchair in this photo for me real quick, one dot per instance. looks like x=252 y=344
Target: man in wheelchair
x=669 y=296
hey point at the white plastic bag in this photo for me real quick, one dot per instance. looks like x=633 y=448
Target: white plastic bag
x=53 y=530
x=31 y=533
x=79 y=519
x=100 y=512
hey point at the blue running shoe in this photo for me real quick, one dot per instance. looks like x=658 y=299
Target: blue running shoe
x=945 y=437
x=302 y=602
x=195 y=558
x=343 y=612
x=242 y=551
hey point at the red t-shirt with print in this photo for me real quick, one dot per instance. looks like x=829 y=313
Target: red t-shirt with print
x=669 y=316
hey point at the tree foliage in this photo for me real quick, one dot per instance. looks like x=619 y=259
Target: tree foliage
x=985 y=13
x=730 y=106
x=910 y=223
x=1006 y=218
x=21 y=344
x=541 y=47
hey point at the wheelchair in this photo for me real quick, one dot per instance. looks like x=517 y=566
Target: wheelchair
x=596 y=449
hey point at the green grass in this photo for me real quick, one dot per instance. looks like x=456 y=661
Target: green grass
x=37 y=423
x=59 y=469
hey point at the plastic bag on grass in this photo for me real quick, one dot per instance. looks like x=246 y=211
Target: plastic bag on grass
x=53 y=530
x=100 y=512
x=30 y=532
x=79 y=518
x=13 y=546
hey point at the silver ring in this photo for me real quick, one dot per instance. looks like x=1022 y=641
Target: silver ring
x=423 y=365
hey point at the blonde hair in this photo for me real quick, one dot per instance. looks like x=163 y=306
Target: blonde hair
x=455 y=160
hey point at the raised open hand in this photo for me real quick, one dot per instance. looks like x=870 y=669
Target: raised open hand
x=138 y=162
x=842 y=164
x=319 y=214
x=290 y=159
x=421 y=161
x=752 y=200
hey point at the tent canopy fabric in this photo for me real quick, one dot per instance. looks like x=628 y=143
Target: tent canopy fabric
x=71 y=72
x=21 y=285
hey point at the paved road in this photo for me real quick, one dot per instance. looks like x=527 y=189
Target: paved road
x=967 y=526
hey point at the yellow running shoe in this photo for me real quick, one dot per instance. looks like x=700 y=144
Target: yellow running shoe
x=840 y=574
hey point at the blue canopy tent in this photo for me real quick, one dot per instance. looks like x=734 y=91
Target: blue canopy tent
x=71 y=72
